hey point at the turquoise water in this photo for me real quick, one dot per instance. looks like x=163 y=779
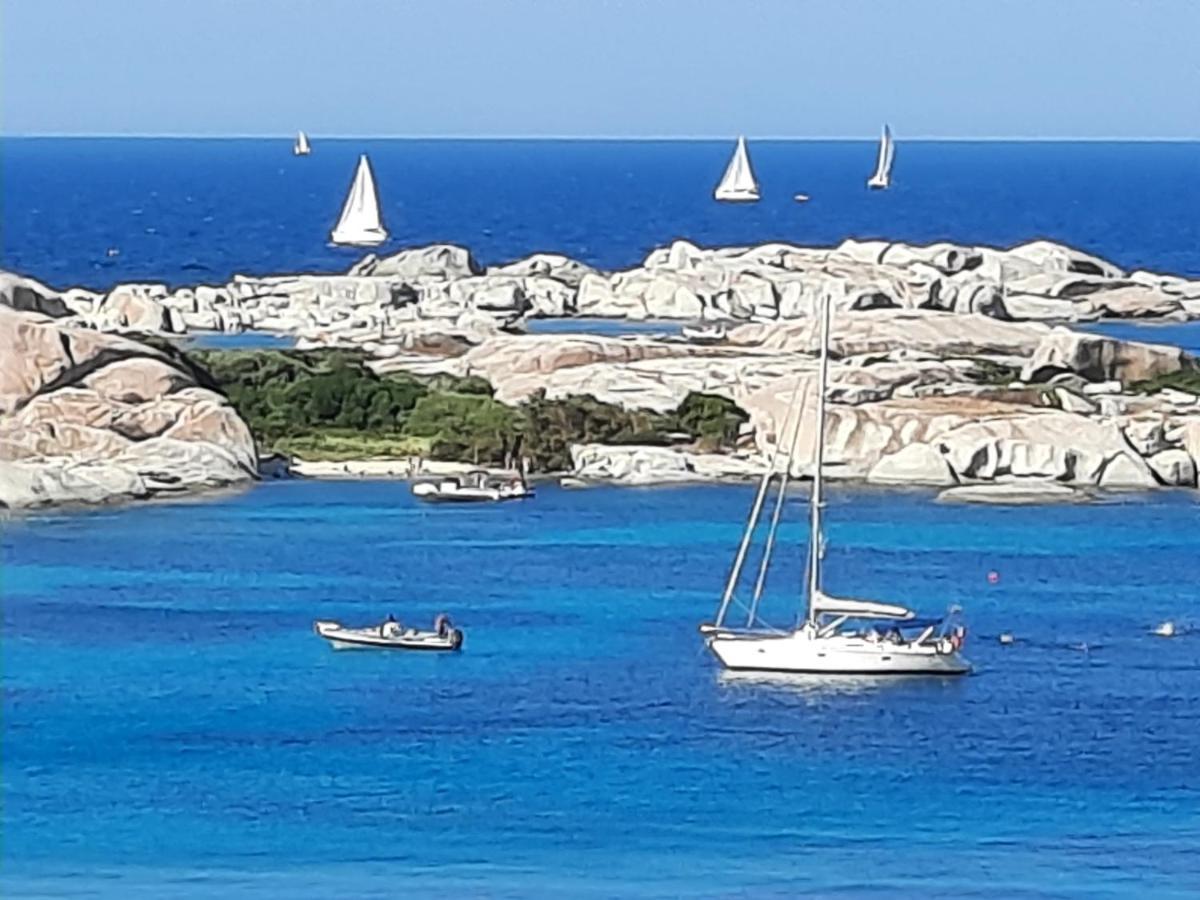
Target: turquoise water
x=171 y=726
x=1179 y=334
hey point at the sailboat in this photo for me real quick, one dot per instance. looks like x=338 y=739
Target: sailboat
x=832 y=635
x=883 y=166
x=360 y=224
x=738 y=184
x=301 y=147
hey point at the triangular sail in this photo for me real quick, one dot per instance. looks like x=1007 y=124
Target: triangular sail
x=738 y=182
x=302 y=148
x=883 y=163
x=360 y=222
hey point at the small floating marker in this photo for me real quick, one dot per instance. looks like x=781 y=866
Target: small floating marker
x=993 y=577
x=1006 y=638
x=1165 y=629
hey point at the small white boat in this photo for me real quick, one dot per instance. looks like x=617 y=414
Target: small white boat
x=704 y=334
x=738 y=184
x=1165 y=629
x=473 y=487
x=800 y=198
x=391 y=635
x=360 y=224
x=882 y=178
x=301 y=147
x=834 y=635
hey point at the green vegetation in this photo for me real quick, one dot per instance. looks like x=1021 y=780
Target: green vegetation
x=330 y=405
x=1183 y=380
x=988 y=371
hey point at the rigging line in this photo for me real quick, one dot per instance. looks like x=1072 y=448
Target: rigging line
x=735 y=573
x=779 y=498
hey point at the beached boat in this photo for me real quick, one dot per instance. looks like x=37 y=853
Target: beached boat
x=472 y=487
x=391 y=635
x=834 y=635
x=738 y=184
x=882 y=178
x=712 y=333
x=301 y=147
x=360 y=224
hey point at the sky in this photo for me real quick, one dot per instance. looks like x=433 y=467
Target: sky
x=603 y=68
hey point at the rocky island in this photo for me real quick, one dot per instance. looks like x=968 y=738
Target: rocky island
x=954 y=366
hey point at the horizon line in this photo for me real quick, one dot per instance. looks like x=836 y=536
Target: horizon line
x=596 y=138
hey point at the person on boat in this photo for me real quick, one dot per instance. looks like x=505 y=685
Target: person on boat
x=389 y=627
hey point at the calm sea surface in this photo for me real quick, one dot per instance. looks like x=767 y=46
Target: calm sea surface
x=188 y=211
x=172 y=726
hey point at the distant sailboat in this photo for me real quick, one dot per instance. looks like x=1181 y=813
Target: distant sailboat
x=360 y=223
x=301 y=148
x=738 y=184
x=883 y=167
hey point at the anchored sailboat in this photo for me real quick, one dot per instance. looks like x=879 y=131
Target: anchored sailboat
x=360 y=223
x=301 y=147
x=738 y=184
x=832 y=636
x=883 y=165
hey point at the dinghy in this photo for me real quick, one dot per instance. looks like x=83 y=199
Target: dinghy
x=738 y=184
x=391 y=635
x=832 y=635
x=360 y=224
x=883 y=165
x=301 y=148
x=704 y=334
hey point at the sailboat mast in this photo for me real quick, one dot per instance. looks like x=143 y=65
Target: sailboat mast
x=817 y=499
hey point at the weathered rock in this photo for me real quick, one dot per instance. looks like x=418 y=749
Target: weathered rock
x=1174 y=468
x=442 y=262
x=27 y=295
x=85 y=417
x=1013 y=493
x=562 y=269
x=1100 y=358
x=1135 y=302
x=915 y=464
x=1125 y=471
x=633 y=465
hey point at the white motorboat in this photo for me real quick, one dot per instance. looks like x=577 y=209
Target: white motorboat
x=882 y=177
x=391 y=635
x=360 y=224
x=1165 y=629
x=834 y=635
x=472 y=487
x=738 y=184
x=711 y=333
x=301 y=147
x=800 y=198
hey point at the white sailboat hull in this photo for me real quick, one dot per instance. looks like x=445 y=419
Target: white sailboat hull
x=800 y=651
x=368 y=238
x=736 y=196
x=879 y=182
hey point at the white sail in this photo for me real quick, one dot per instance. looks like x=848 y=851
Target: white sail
x=301 y=147
x=360 y=223
x=738 y=182
x=883 y=165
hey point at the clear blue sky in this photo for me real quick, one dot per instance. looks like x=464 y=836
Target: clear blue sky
x=644 y=68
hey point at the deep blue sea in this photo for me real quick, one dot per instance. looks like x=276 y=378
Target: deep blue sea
x=188 y=211
x=172 y=727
